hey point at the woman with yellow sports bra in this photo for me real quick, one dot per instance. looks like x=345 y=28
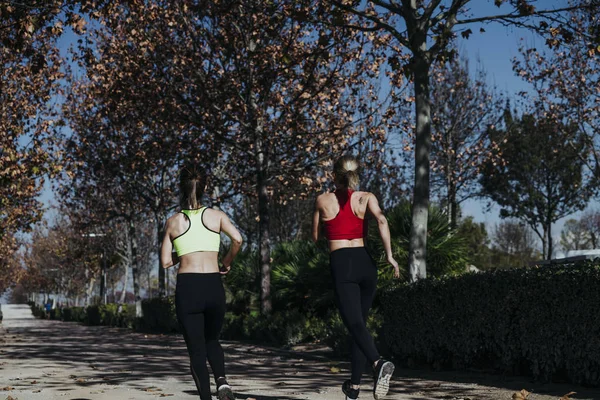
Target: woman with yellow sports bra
x=194 y=233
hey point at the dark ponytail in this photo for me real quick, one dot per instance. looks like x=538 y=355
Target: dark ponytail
x=192 y=181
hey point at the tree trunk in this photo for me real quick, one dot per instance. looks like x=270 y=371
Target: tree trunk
x=160 y=224
x=103 y=272
x=219 y=176
x=123 y=297
x=134 y=269
x=90 y=290
x=264 y=241
x=420 y=206
x=544 y=239
x=124 y=291
x=452 y=206
x=550 y=242
x=454 y=211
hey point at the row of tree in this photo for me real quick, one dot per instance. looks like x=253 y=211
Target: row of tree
x=282 y=89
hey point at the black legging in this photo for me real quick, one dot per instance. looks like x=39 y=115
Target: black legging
x=200 y=303
x=355 y=280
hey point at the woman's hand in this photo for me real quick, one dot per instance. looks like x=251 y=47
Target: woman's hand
x=394 y=264
x=225 y=266
x=224 y=269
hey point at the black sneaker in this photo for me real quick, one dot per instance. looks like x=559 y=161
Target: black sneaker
x=351 y=394
x=224 y=391
x=383 y=373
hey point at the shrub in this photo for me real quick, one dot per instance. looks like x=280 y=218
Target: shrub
x=447 y=253
x=109 y=314
x=159 y=314
x=301 y=279
x=74 y=314
x=93 y=315
x=542 y=321
x=56 y=313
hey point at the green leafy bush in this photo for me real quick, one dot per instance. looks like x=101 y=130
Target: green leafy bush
x=158 y=315
x=447 y=252
x=93 y=315
x=37 y=311
x=541 y=321
x=301 y=279
x=74 y=314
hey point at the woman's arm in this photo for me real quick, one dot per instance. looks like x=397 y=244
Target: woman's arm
x=384 y=232
x=236 y=242
x=167 y=257
x=315 y=222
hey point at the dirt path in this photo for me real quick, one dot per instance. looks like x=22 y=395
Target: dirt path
x=42 y=359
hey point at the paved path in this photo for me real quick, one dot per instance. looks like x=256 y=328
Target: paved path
x=42 y=359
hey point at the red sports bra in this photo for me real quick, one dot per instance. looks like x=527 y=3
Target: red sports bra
x=345 y=225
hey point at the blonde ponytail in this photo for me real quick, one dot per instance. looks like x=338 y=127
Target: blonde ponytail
x=346 y=171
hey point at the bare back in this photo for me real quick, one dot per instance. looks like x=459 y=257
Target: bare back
x=199 y=261
x=328 y=208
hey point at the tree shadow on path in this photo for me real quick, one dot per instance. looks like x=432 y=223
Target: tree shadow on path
x=112 y=356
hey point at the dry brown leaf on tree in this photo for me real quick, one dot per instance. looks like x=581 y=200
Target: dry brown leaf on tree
x=522 y=395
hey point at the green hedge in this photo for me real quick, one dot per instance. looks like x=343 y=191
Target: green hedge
x=541 y=321
x=108 y=314
x=74 y=314
x=158 y=315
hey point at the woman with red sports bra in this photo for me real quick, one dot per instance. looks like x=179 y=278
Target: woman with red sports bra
x=342 y=214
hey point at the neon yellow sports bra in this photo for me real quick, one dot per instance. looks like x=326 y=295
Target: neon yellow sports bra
x=197 y=237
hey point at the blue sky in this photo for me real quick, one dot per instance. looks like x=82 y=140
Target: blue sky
x=495 y=48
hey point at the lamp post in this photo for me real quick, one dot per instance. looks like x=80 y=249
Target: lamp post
x=102 y=267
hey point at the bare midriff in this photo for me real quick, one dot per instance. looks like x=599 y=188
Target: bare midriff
x=199 y=262
x=340 y=244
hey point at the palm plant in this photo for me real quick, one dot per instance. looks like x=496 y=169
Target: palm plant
x=446 y=251
x=242 y=284
x=301 y=278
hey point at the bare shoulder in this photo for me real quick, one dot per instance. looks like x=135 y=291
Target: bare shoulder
x=176 y=224
x=363 y=197
x=211 y=214
x=175 y=219
x=323 y=197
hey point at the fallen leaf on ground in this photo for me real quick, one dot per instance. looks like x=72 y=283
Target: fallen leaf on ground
x=335 y=370
x=7 y=388
x=166 y=394
x=522 y=395
x=566 y=396
x=152 y=389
